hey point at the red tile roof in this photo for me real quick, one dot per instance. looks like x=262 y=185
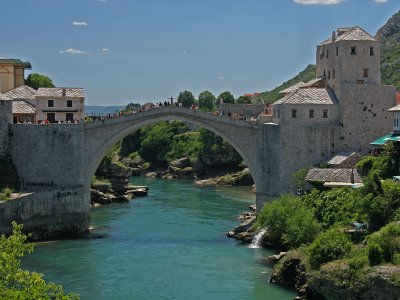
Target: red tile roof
x=398 y=97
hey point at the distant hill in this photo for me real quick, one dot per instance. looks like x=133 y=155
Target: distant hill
x=102 y=109
x=389 y=35
x=306 y=75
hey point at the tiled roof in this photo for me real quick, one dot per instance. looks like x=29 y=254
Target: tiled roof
x=15 y=61
x=350 y=34
x=309 y=96
x=4 y=97
x=292 y=88
x=60 y=92
x=333 y=175
x=22 y=107
x=22 y=92
x=395 y=108
x=343 y=156
x=316 y=82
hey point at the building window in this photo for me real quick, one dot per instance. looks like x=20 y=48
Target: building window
x=69 y=117
x=324 y=73
x=365 y=73
x=325 y=113
x=311 y=114
x=337 y=51
x=50 y=103
x=360 y=81
x=2 y=102
x=69 y=103
x=327 y=53
x=294 y=113
x=333 y=74
x=329 y=74
x=353 y=51
x=371 y=51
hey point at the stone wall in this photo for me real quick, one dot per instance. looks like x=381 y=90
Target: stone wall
x=48 y=214
x=49 y=155
x=5 y=119
x=248 y=110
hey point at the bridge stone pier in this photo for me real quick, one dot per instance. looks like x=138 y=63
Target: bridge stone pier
x=67 y=155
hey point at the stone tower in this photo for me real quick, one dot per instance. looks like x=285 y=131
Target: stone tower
x=350 y=63
x=12 y=73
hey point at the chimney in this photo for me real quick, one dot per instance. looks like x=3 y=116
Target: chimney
x=333 y=36
x=64 y=92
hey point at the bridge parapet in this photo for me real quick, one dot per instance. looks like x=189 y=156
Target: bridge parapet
x=171 y=110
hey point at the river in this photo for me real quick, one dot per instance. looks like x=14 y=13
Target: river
x=168 y=245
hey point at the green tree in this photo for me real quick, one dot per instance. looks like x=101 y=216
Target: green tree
x=225 y=97
x=244 y=100
x=206 y=101
x=16 y=283
x=330 y=245
x=186 y=98
x=36 y=81
x=290 y=223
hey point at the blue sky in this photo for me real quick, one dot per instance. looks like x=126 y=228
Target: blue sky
x=125 y=51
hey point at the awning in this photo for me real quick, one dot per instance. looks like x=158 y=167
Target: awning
x=387 y=138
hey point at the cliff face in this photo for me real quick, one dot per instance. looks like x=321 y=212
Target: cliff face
x=378 y=283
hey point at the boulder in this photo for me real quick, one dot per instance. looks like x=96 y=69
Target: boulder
x=180 y=163
x=151 y=175
x=118 y=170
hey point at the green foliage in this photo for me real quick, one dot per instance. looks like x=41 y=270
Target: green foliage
x=388 y=239
x=186 y=98
x=289 y=222
x=206 y=101
x=225 y=97
x=36 y=81
x=396 y=259
x=299 y=177
x=358 y=263
x=108 y=158
x=244 y=100
x=336 y=207
x=375 y=254
x=6 y=194
x=330 y=245
x=131 y=143
x=307 y=74
x=16 y=283
x=156 y=140
x=187 y=144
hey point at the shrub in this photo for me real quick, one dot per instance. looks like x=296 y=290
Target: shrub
x=358 y=263
x=375 y=254
x=396 y=259
x=289 y=222
x=388 y=238
x=330 y=245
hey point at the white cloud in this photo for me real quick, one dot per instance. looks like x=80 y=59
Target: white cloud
x=324 y=2
x=102 y=0
x=380 y=1
x=83 y=23
x=221 y=77
x=73 y=51
x=104 y=49
x=185 y=52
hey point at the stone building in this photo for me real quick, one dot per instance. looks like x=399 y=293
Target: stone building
x=12 y=73
x=343 y=109
x=60 y=104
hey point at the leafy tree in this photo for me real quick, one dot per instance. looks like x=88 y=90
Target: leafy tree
x=330 y=245
x=225 y=97
x=187 y=144
x=157 y=140
x=16 y=283
x=387 y=240
x=206 y=101
x=244 y=100
x=36 y=81
x=186 y=98
x=299 y=177
x=290 y=223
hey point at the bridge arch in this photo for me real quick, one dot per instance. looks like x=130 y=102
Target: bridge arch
x=101 y=135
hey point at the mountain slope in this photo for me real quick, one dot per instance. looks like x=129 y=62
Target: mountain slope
x=389 y=35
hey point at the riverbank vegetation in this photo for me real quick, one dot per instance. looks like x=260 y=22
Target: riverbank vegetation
x=6 y=194
x=350 y=230
x=16 y=283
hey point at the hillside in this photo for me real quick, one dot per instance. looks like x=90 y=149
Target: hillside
x=389 y=35
x=306 y=75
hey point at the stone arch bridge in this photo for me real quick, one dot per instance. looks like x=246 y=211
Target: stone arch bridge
x=63 y=157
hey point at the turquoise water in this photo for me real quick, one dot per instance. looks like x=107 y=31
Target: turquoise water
x=169 y=245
